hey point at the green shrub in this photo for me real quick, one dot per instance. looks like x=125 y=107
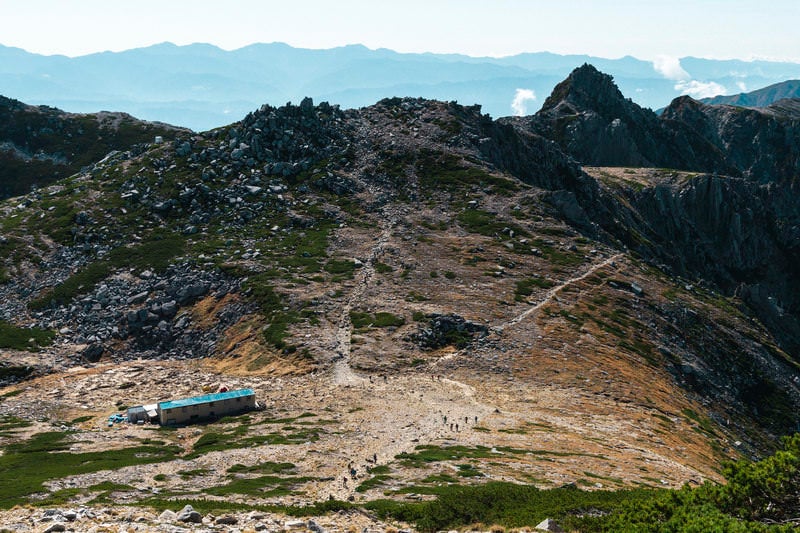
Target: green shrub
x=525 y=287
x=372 y=483
x=383 y=320
x=442 y=171
x=16 y=338
x=382 y=268
x=340 y=267
x=758 y=497
x=267 y=467
x=363 y=320
x=79 y=283
x=486 y=223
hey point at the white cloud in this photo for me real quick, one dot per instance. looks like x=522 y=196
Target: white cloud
x=700 y=89
x=519 y=104
x=742 y=86
x=670 y=67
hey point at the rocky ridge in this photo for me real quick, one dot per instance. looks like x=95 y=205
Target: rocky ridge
x=734 y=221
x=40 y=144
x=281 y=175
x=368 y=255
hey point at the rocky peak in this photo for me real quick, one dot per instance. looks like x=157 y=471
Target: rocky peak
x=293 y=135
x=590 y=119
x=587 y=89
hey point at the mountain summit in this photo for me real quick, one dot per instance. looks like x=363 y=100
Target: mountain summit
x=590 y=119
x=586 y=88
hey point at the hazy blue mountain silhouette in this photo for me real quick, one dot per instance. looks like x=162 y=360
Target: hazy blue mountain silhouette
x=202 y=86
x=761 y=97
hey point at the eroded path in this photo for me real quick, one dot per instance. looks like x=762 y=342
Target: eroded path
x=549 y=295
x=342 y=372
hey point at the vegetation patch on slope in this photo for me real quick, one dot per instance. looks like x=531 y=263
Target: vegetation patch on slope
x=16 y=338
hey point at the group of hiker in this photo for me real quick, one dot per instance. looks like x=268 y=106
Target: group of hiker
x=354 y=472
x=454 y=425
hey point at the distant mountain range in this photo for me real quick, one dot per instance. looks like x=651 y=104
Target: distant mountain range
x=201 y=86
x=761 y=97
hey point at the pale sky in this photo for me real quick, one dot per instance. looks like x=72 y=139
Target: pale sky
x=645 y=29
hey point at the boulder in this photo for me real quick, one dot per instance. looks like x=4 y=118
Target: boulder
x=93 y=352
x=313 y=526
x=188 y=514
x=191 y=292
x=549 y=525
x=167 y=516
x=447 y=330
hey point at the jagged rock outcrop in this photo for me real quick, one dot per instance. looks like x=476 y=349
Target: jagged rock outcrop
x=760 y=144
x=448 y=330
x=735 y=233
x=722 y=225
x=288 y=139
x=590 y=119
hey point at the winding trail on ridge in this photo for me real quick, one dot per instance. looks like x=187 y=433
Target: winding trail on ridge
x=406 y=410
x=548 y=297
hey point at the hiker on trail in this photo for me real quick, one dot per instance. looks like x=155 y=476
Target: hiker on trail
x=344 y=481
x=466 y=419
x=445 y=419
x=456 y=427
x=451 y=427
x=476 y=419
x=375 y=458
